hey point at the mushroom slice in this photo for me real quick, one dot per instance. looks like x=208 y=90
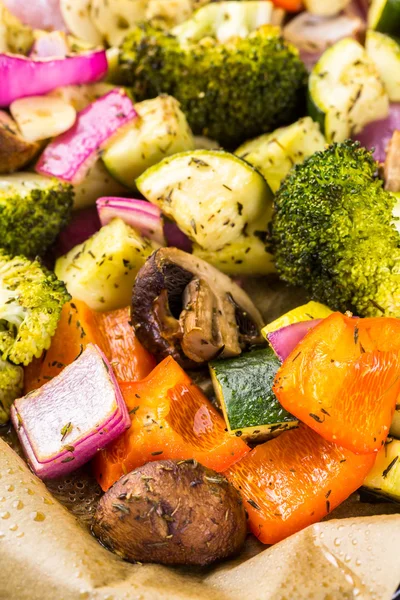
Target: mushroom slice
x=185 y=308
x=392 y=164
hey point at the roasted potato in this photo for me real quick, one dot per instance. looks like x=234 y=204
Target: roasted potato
x=172 y=512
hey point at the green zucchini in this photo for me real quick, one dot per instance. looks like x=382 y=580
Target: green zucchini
x=384 y=16
x=384 y=478
x=385 y=52
x=345 y=91
x=274 y=154
x=160 y=131
x=243 y=386
x=212 y=195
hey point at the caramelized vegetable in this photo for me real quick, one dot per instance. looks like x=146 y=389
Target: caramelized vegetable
x=171 y=419
x=343 y=380
x=78 y=326
x=295 y=480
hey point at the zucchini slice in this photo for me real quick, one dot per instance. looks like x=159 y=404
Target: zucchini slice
x=114 y=18
x=243 y=386
x=345 y=91
x=247 y=255
x=224 y=20
x=385 y=52
x=161 y=131
x=384 y=478
x=274 y=154
x=384 y=16
x=77 y=18
x=212 y=195
x=101 y=271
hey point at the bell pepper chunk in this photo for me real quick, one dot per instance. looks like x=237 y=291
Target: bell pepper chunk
x=129 y=359
x=79 y=326
x=343 y=380
x=171 y=419
x=294 y=481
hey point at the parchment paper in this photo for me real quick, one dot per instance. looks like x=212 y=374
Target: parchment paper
x=48 y=553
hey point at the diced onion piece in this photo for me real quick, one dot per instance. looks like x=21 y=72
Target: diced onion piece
x=40 y=117
x=141 y=215
x=21 y=77
x=81 y=410
x=378 y=134
x=50 y=45
x=40 y=14
x=70 y=156
x=76 y=14
x=284 y=340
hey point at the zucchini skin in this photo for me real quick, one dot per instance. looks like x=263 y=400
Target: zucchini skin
x=243 y=386
x=389 y=20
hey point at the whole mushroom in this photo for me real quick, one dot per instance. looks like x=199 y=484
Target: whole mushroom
x=185 y=308
x=172 y=512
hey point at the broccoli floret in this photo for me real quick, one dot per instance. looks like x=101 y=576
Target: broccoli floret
x=31 y=299
x=11 y=386
x=33 y=211
x=229 y=91
x=334 y=232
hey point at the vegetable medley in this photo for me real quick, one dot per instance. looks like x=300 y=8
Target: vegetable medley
x=154 y=155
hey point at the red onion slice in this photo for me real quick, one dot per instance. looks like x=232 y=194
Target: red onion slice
x=146 y=218
x=21 y=76
x=70 y=155
x=378 y=134
x=63 y=424
x=50 y=45
x=83 y=225
x=284 y=340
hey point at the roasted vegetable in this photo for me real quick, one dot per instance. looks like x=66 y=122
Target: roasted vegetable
x=183 y=307
x=81 y=410
x=31 y=300
x=220 y=202
x=383 y=478
x=295 y=480
x=345 y=91
x=14 y=36
x=42 y=117
x=342 y=380
x=11 y=386
x=243 y=386
x=15 y=150
x=229 y=91
x=385 y=53
x=33 y=210
x=334 y=232
x=172 y=512
x=160 y=131
x=101 y=271
x=274 y=154
x=171 y=419
x=79 y=326
x=306 y=312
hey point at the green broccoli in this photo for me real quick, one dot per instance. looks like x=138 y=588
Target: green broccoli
x=230 y=91
x=11 y=387
x=33 y=210
x=334 y=232
x=31 y=299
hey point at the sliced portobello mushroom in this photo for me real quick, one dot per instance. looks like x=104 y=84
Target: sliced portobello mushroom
x=185 y=308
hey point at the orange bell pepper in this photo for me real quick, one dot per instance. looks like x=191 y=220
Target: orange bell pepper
x=171 y=419
x=295 y=480
x=79 y=326
x=343 y=380
x=289 y=5
x=129 y=359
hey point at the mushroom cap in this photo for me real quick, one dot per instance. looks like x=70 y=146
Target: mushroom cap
x=185 y=308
